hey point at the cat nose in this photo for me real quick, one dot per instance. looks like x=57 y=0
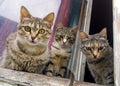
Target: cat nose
x=95 y=56
x=32 y=38
x=64 y=41
x=95 y=53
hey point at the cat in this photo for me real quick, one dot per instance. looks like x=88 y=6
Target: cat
x=61 y=50
x=27 y=50
x=99 y=56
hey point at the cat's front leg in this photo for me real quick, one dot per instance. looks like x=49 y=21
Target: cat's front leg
x=15 y=66
x=63 y=68
x=96 y=77
x=61 y=72
x=108 y=77
x=49 y=71
x=8 y=63
x=33 y=69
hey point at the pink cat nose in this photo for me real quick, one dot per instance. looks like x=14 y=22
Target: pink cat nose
x=32 y=38
x=64 y=42
x=95 y=56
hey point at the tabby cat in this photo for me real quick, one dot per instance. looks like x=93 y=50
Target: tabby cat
x=61 y=50
x=99 y=56
x=26 y=49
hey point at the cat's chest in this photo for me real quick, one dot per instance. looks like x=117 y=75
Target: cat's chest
x=59 y=51
x=21 y=57
x=101 y=64
x=32 y=50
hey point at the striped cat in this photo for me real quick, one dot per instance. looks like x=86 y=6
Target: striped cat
x=61 y=50
x=99 y=56
x=26 y=49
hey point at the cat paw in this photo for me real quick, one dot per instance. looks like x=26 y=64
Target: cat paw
x=49 y=74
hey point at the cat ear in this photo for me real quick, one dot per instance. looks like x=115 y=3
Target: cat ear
x=49 y=18
x=103 y=33
x=75 y=29
x=60 y=24
x=83 y=35
x=24 y=13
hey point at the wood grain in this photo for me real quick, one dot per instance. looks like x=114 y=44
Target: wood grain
x=30 y=79
x=116 y=32
x=76 y=83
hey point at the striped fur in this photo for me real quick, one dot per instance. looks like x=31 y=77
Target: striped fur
x=61 y=50
x=26 y=49
x=99 y=56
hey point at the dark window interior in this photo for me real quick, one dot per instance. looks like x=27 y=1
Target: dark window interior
x=101 y=17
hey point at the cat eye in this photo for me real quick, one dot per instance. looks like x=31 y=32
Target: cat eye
x=71 y=41
x=41 y=31
x=27 y=28
x=100 y=48
x=61 y=36
x=65 y=58
x=88 y=48
x=69 y=38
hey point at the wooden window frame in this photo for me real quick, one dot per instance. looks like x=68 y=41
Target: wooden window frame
x=116 y=37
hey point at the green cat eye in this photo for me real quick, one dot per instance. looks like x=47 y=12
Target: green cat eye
x=41 y=31
x=27 y=28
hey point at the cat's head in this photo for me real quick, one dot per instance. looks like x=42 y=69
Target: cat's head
x=94 y=46
x=34 y=30
x=64 y=36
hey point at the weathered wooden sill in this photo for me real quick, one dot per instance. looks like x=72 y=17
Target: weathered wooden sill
x=16 y=78
x=76 y=83
x=30 y=79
